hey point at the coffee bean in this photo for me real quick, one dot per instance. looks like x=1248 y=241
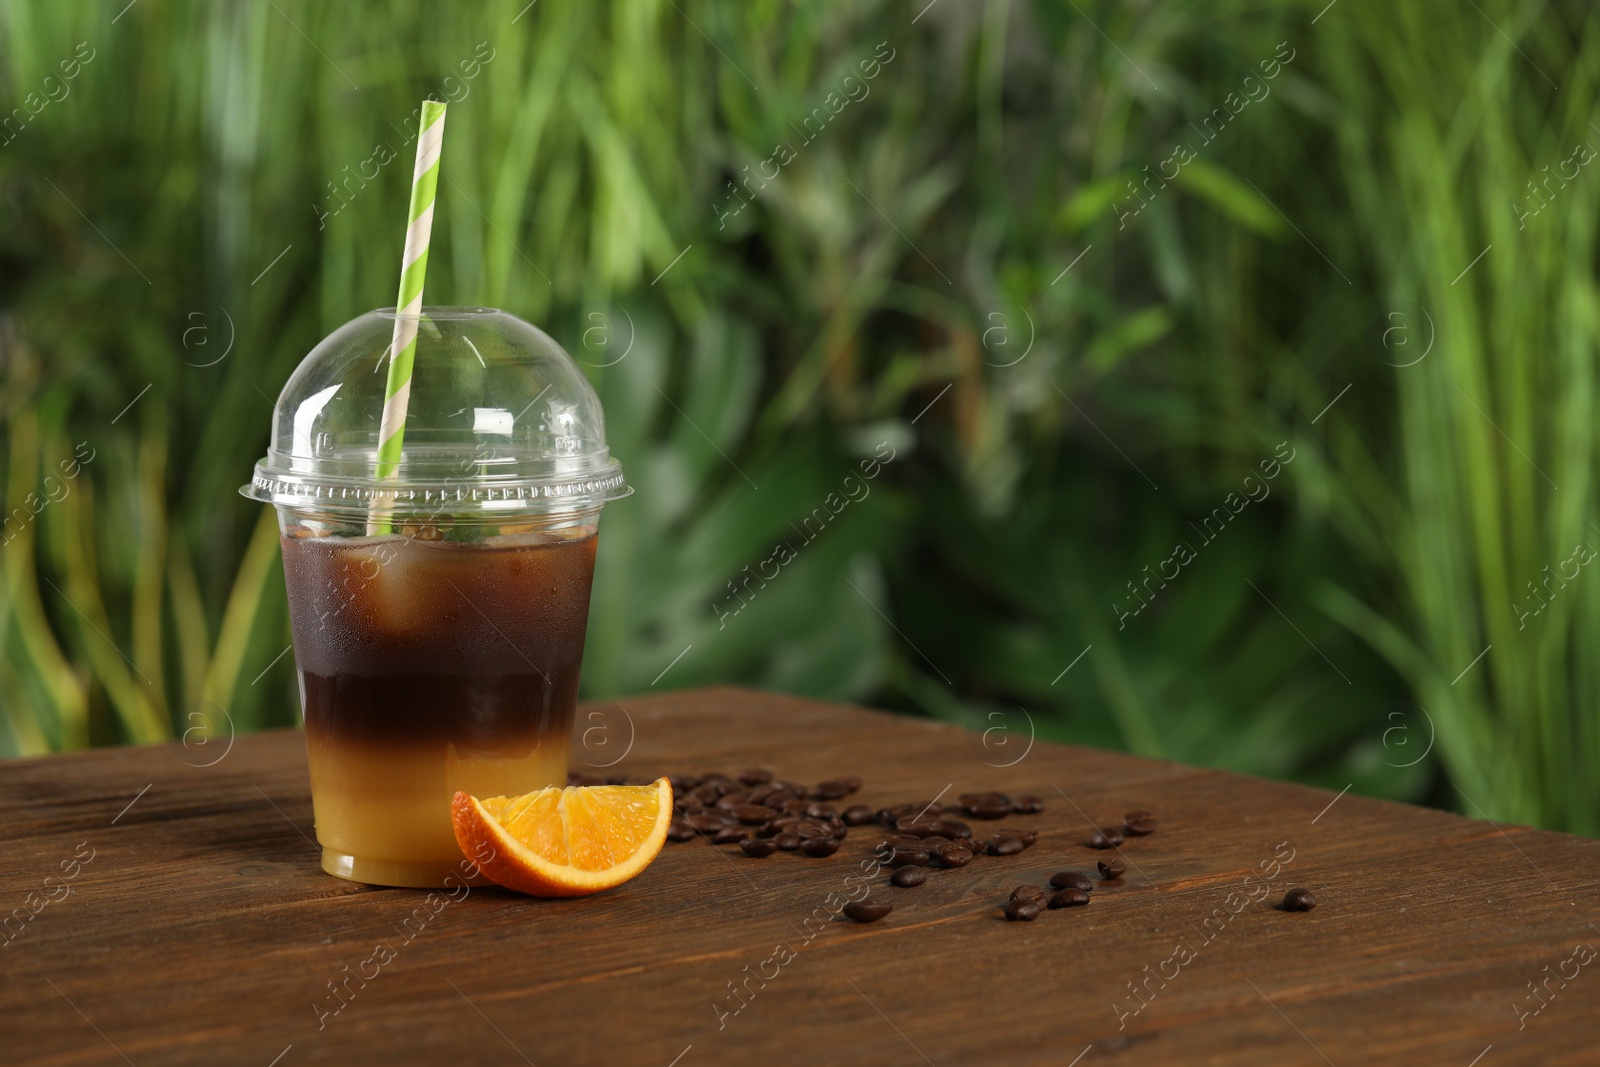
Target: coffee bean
x=972 y=800
x=753 y=814
x=1071 y=880
x=1299 y=900
x=1069 y=898
x=902 y=840
x=907 y=857
x=1005 y=846
x=832 y=790
x=994 y=810
x=955 y=856
x=1138 y=823
x=1027 y=805
x=906 y=877
x=680 y=830
x=788 y=842
x=755 y=776
x=1024 y=838
x=867 y=911
x=809 y=828
x=729 y=834
x=1112 y=869
x=729 y=801
x=887 y=816
x=851 y=782
x=1031 y=891
x=1108 y=838
x=819 y=846
x=936 y=842
x=756 y=848
x=709 y=822
x=917 y=827
x=1025 y=909
x=857 y=815
x=820 y=811
x=955 y=828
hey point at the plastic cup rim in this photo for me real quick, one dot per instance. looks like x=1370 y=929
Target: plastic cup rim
x=448 y=312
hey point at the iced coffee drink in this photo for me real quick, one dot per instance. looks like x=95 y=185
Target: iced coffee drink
x=441 y=653
x=428 y=666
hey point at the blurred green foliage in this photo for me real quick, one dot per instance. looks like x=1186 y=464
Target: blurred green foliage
x=785 y=239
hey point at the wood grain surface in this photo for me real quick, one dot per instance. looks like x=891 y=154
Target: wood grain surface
x=167 y=908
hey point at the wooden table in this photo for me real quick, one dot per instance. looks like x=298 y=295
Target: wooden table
x=182 y=919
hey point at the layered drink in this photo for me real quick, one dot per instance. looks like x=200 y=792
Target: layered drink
x=438 y=578
x=426 y=666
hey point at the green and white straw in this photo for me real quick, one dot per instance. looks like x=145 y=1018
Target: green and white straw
x=408 y=305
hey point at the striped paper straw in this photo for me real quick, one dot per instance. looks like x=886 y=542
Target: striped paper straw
x=408 y=305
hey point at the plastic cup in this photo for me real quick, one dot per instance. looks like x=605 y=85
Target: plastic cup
x=442 y=654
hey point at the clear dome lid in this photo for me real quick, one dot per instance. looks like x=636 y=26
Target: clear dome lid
x=500 y=419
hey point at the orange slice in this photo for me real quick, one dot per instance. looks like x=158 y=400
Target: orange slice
x=564 y=842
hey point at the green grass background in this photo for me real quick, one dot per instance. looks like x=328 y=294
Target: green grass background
x=964 y=257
